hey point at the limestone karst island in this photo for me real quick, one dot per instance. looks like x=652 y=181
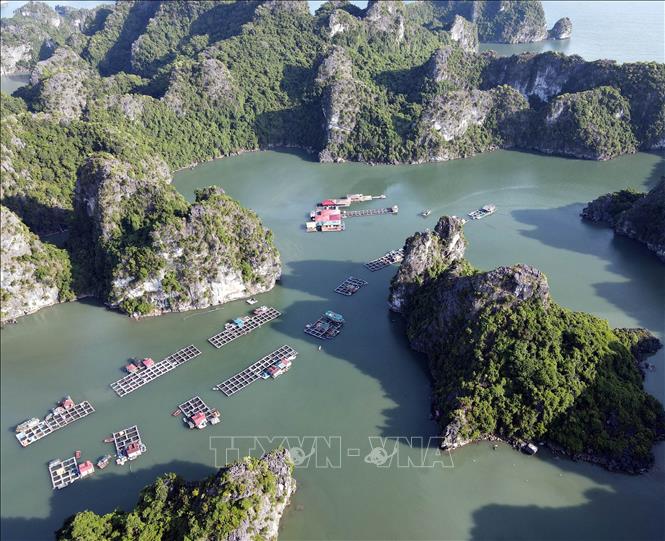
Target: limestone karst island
x=346 y=270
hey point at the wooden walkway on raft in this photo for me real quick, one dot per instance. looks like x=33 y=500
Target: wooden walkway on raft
x=253 y=372
x=369 y=212
x=63 y=472
x=56 y=422
x=194 y=405
x=138 y=379
x=333 y=328
x=394 y=256
x=251 y=323
x=350 y=286
x=124 y=438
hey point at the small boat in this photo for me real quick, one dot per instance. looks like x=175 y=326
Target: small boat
x=77 y=454
x=251 y=301
x=103 y=461
x=529 y=449
x=176 y=412
x=108 y=440
x=425 y=213
x=121 y=460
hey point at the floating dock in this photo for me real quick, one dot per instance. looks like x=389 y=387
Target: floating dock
x=369 y=212
x=392 y=257
x=245 y=325
x=128 y=444
x=63 y=472
x=61 y=417
x=326 y=327
x=134 y=381
x=482 y=212
x=350 y=286
x=352 y=198
x=196 y=413
x=253 y=372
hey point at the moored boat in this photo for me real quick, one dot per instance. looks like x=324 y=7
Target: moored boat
x=103 y=461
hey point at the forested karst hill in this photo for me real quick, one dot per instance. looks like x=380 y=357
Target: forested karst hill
x=508 y=362
x=394 y=83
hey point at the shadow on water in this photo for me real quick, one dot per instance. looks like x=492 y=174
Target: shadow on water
x=588 y=520
x=100 y=493
x=368 y=341
x=641 y=270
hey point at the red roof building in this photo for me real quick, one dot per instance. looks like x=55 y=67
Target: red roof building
x=199 y=419
x=131 y=368
x=148 y=362
x=133 y=450
x=86 y=468
x=67 y=403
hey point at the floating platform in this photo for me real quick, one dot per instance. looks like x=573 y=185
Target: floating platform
x=326 y=327
x=392 y=257
x=195 y=406
x=352 y=198
x=128 y=444
x=63 y=472
x=260 y=317
x=369 y=212
x=350 y=286
x=253 y=372
x=482 y=212
x=39 y=429
x=134 y=381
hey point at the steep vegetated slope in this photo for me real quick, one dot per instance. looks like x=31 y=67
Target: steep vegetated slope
x=640 y=216
x=393 y=83
x=508 y=362
x=243 y=501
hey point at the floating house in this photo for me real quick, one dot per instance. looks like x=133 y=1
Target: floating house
x=147 y=362
x=86 y=468
x=131 y=368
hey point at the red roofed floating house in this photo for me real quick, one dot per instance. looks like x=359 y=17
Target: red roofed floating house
x=86 y=468
x=133 y=451
x=199 y=420
x=131 y=368
x=148 y=362
x=67 y=403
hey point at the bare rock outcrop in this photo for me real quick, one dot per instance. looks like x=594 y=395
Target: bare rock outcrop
x=33 y=274
x=340 y=102
x=156 y=253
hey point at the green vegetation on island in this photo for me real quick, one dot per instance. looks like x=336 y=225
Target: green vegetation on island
x=242 y=501
x=186 y=82
x=640 y=216
x=508 y=362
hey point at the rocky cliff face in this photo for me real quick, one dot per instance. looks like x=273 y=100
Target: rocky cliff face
x=243 y=501
x=32 y=33
x=462 y=123
x=562 y=29
x=594 y=124
x=508 y=362
x=638 y=216
x=386 y=17
x=426 y=255
x=33 y=275
x=465 y=33
x=60 y=81
x=498 y=21
x=155 y=253
x=340 y=102
x=208 y=78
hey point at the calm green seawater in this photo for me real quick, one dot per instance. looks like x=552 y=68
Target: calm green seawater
x=366 y=383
